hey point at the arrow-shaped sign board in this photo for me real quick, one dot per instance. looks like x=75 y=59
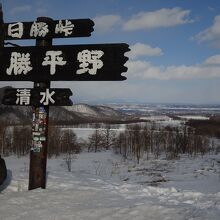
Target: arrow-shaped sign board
x=48 y=29
x=97 y=62
x=37 y=97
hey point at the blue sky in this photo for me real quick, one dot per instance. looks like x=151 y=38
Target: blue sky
x=175 y=46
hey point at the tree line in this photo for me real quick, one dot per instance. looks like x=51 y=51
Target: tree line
x=134 y=141
x=137 y=141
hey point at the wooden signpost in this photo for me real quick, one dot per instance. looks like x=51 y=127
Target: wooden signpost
x=45 y=63
x=48 y=29
x=98 y=62
x=37 y=97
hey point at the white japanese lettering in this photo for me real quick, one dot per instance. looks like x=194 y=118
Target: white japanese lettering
x=16 y=30
x=47 y=97
x=87 y=58
x=39 y=29
x=66 y=28
x=19 y=63
x=23 y=96
x=53 y=58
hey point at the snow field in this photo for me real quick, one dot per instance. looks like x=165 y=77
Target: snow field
x=104 y=186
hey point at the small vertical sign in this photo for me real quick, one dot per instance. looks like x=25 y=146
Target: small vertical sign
x=39 y=129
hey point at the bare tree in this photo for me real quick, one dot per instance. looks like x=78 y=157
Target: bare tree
x=22 y=140
x=70 y=146
x=54 y=141
x=108 y=137
x=3 y=128
x=145 y=134
x=122 y=144
x=137 y=141
x=95 y=140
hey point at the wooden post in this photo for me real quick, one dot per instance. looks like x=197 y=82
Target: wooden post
x=38 y=153
x=1 y=27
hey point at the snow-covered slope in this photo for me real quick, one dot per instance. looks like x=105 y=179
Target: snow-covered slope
x=60 y=114
x=77 y=113
x=102 y=186
x=83 y=109
x=96 y=112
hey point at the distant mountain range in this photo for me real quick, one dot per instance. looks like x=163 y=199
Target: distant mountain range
x=78 y=113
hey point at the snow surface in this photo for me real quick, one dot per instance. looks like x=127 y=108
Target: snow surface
x=84 y=133
x=104 y=186
x=82 y=108
x=195 y=117
x=94 y=111
x=156 y=118
x=162 y=120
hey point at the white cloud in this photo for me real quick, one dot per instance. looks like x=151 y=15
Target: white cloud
x=101 y=91
x=210 y=8
x=142 y=91
x=211 y=34
x=41 y=11
x=20 y=9
x=106 y=23
x=41 y=7
x=213 y=60
x=145 y=70
x=164 y=17
x=140 y=49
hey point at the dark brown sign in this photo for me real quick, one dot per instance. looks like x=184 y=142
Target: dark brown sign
x=98 y=62
x=37 y=97
x=48 y=29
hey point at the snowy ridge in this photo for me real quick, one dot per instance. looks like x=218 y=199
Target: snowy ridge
x=109 y=111
x=77 y=113
x=83 y=109
x=98 y=112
